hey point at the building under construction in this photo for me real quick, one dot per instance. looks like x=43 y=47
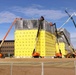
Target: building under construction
x=25 y=39
x=25 y=35
x=64 y=41
x=37 y=38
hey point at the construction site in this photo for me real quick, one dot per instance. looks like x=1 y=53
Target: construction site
x=38 y=41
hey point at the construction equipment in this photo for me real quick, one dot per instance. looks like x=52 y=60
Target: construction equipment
x=72 y=53
x=36 y=54
x=57 y=55
x=58 y=34
x=7 y=34
x=71 y=18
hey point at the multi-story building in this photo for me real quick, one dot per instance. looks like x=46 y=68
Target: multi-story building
x=7 y=48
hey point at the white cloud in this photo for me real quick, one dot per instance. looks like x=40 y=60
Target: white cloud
x=36 y=12
x=7 y=17
x=36 y=6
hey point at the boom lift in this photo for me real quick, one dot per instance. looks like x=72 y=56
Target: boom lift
x=57 y=55
x=36 y=54
x=7 y=34
x=72 y=53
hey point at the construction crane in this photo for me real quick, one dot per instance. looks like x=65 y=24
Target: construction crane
x=7 y=34
x=70 y=17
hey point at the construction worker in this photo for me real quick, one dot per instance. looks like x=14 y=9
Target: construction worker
x=41 y=22
x=41 y=18
x=51 y=24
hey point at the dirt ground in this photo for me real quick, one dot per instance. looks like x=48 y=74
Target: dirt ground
x=33 y=66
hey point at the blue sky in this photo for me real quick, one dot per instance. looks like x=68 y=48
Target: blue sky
x=52 y=10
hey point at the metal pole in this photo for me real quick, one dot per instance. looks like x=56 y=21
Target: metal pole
x=11 y=68
x=75 y=66
x=42 y=69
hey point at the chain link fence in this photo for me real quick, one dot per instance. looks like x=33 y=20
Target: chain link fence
x=34 y=68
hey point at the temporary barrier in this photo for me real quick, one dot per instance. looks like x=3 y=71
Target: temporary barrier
x=34 y=68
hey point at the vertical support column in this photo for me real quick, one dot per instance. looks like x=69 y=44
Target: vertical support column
x=11 y=68
x=75 y=66
x=42 y=73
